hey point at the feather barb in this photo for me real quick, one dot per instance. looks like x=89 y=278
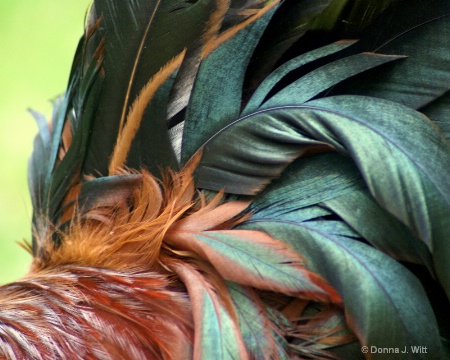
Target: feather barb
x=215 y=42
x=134 y=118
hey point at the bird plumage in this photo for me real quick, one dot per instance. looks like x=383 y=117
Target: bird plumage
x=242 y=179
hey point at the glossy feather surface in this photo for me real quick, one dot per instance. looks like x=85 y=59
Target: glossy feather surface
x=229 y=179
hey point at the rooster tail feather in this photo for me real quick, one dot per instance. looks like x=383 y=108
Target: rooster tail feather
x=277 y=170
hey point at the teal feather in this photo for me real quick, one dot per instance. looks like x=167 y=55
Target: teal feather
x=329 y=117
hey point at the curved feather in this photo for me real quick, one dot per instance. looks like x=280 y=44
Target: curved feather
x=420 y=31
x=291 y=22
x=255 y=326
x=217 y=335
x=272 y=79
x=312 y=186
x=411 y=185
x=383 y=180
x=140 y=42
x=359 y=210
x=256 y=260
x=221 y=72
x=325 y=77
x=378 y=293
x=73 y=114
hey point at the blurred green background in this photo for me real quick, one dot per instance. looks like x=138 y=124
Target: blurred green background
x=37 y=42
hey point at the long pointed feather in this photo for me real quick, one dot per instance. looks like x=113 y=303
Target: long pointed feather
x=134 y=118
x=254 y=259
x=217 y=334
x=223 y=69
x=185 y=78
x=140 y=41
x=388 y=292
x=135 y=64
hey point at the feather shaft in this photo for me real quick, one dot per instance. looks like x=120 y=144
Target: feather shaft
x=135 y=65
x=228 y=34
x=126 y=136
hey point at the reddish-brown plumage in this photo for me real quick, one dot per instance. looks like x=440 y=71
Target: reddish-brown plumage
x=129 y=276
x=268 y=254
x=123 y=284
x=75 y=312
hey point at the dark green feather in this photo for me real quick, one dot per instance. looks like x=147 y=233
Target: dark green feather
x=263 y=107
x=271 y=80
x=325 y=77
x=420 y=31
x=379 y=228
x=222 y=72
x=291 y=21
x=130 y=27
x=378 y=293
